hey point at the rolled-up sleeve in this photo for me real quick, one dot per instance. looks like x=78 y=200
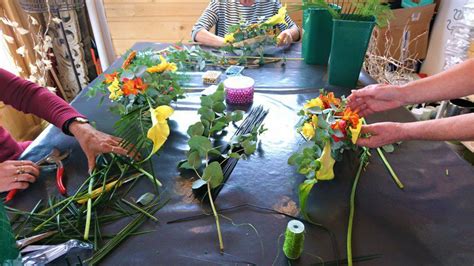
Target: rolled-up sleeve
x=208 y=19
x=32 y=98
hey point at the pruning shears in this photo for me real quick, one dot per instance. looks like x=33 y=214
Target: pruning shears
x=54 y=157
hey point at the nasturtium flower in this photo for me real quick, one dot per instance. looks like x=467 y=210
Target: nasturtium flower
x=308 y=131
x=330 y=99
x=278 y=18
x=326 y=171
x=229 y=38
x=140 y=85
x=114 y=89
x=313 y=103
x=160 y=130
x=128 y=87
x=351 y=117
x=356 y=131
x=162 y=66
x=109 y=78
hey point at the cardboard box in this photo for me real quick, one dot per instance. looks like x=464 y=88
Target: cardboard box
x=407 y=35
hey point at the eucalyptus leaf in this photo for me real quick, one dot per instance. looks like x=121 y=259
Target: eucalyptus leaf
x=194 y=159
x=196 y=130
x=127 y=74
x=207 y=113
x=219 y=107
x=213 y=174
x=200 y=144
x=237 y=115
x=388 y=148
x=146 y=198
x=198 y=184
x=206 y=101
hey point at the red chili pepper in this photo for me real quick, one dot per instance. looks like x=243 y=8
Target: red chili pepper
x=59 y=180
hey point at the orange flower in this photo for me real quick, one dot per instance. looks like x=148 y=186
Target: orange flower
x=128 y=87
x=351 y=117
x=139 y=85
x=129 y=59
x=328 y=99
x=109 y=78
x=341 y=126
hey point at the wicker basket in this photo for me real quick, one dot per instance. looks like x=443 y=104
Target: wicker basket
x=40 y=6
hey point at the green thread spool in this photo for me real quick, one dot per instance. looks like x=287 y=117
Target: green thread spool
x=294 y=240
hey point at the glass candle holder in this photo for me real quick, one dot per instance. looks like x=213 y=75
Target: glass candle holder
x=239 y=90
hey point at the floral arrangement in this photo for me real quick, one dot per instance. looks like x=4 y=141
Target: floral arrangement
x=330 y=127
x=142 y=91
x=249 y=37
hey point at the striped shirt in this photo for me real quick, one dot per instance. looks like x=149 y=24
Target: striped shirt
x=223 y=14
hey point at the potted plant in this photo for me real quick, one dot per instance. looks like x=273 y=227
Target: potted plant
x=351 y=35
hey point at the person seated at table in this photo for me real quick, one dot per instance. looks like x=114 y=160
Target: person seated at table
x=31 y=98
x=224 y=14
x=453 y=83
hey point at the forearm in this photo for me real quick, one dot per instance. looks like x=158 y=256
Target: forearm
x=453 y=128
x=453 y=83
x=31 y=98
x=207 y=38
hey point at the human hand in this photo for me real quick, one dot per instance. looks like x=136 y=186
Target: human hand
x=284 y=39
x=94 y=142
x=17 y=175
x=381 y=134
x=376 y=98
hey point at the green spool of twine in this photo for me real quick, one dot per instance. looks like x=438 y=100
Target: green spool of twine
x=294 y=240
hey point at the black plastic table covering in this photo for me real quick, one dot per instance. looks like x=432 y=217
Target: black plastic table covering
x=430 y=222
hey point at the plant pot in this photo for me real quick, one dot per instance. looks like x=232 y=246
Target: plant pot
x=350 y=40
x=317 y=37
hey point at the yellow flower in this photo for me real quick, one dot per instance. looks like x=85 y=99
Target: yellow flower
x=326 y=172
x=279 y=18
x=229 y=38
x=355 y=132
x=115 y=91
x=160 y=130
x=308 y=131
x=313 y=103
x=162 y=66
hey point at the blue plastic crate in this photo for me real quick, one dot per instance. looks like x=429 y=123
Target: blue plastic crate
x=411 y=3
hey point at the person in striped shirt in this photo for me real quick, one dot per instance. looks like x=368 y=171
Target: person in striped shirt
x=222 y=14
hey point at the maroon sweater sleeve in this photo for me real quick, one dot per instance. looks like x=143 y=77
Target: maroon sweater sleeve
x=31 y=98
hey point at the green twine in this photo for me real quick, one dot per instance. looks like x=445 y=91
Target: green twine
x=294 y=240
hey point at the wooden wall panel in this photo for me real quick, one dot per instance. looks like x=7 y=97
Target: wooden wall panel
x=131 y=21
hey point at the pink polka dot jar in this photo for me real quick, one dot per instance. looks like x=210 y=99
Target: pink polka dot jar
x=239 y=90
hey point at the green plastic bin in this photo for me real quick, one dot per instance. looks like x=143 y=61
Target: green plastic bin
x=317 y=36
x=350 y=40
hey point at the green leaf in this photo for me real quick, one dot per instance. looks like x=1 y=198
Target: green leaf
x=198 y=184
x=200 y=144
x=194 y=159
x=146 y=198
x=249 y=146
x=196 y=130
x=213 y=174
x=293 y=158
x=215 y=152
x=218 y=96
x=186 y=165
x=237 y=115
x=234 y=155
x=219 y=107
x=206 y=101
x=304 y=190
x=207 y=113
x=388 y=148
x=218 y=127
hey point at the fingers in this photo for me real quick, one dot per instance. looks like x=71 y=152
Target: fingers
x=24 y=178
x=90 y=163
x=19 y=185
